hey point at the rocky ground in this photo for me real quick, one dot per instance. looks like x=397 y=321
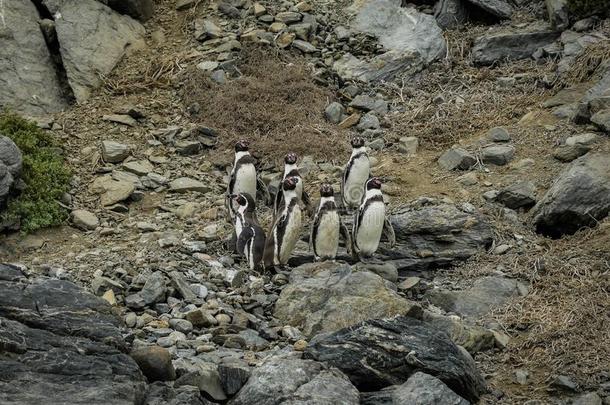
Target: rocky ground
x=491 y=135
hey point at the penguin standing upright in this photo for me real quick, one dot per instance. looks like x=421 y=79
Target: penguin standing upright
x=370 y=222
x=327 y=227
x=290 y=170
x=243 y=176
x=356 y=174
x=250 y=236
x=286 y=228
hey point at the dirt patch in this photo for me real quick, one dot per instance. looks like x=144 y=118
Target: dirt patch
x=274 y=103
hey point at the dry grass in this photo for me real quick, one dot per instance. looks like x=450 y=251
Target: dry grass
x=274 y=103
x=472 y=98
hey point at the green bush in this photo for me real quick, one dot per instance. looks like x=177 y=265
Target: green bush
x=585 y=8
x=44 y=173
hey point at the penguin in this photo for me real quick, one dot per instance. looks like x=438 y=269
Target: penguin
x=250 y=237
x=370 y=221
x=327 y=227
x=290 y=170
x=243 y=177
x=355 y=175
x=286 y=228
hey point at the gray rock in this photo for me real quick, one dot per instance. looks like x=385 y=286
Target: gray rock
x=485 y=294
x=155 y=363
x=139 y=9
x=325 y=297
x=288 y=17
x=598 y=91
x=28 y=81
x=415 y=346
x=387 y=271
x=602 y=120
x=558 y=14
x=180 y=284
x=99 y=285
x=204 y=375
x=207 y=29
x=567 y=153
x=11 y=162
x=450 y=13
x=334 y=112
x=114 y=152
x=498 y=47
x=436 y=235
x=368 y=103
x=368 y=121
x=498 y=154
x=565 y=383
x=181 y=325
x=184 y=4
x=408 y=145
x=590 y=398
x=471 y=337
x=304 y=46
x=588 y=138
x=518 y=195
x=138 y=167
x=423 y=389
x=401 y=30
x=85 y=220
x=153 y=291
x=229 y=10
x=498 y=8
x=185 y=184
x=219 y=77
x=93 y=39
x=53 y=333
x=579 y=197
x=457 y=158
x=297 y=382
x=498 y=134
x=160 y=393
x=234 y=373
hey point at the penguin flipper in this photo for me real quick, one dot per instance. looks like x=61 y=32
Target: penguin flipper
x=269 y=252
x=388 y=232
x=344 y=232
x=246 y=234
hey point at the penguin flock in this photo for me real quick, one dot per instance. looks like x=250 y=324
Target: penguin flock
x=360 y=195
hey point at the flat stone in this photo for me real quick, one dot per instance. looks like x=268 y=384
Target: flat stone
x=111 y=191
x=185 y=184
x=408 y=145
x=602 y=120
x=207 y=66
x=288 y=17
x=85 y=220
x=207 y=29
x=495 y=47
x=120 y=119
x=457 y=158
x=368 y=103
x=587 y=138
x=184 y=4
x=139 y=167
x=304 y=46
x=518 y=195
x=567 y=153
x=350 y=121
x=498 y=134
x=498 y=155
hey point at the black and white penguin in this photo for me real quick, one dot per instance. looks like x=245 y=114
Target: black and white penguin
x=327 y=227
x=250 y=237
x=370 y=222
x=357 y=172
x=243 y=177
x=290 y=170
x=286 y=228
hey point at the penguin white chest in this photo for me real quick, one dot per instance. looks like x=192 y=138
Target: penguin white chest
x=239 y=225
x=292 y=234
x=245 y=180
x=327 y=236
x=354 y=183
x=370 y=228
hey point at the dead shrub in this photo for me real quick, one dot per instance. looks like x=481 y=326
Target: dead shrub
x=274 y=104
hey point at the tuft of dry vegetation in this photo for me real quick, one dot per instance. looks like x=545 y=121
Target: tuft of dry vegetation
x=274 y=103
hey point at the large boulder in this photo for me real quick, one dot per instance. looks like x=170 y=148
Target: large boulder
x=61 y=344
x=139 y=9
x=286 y=380
x=395 y=349
x=420 y=389
x=411 y=40
x=28 y=80
x=497 y=47
x=497 y=8
x=485 y=294
x=93 y=39
x=579 y=197
x=11 y=162
x=433 y=234
x=325 y=297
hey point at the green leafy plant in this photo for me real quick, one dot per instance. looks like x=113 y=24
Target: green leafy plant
x=44 y=173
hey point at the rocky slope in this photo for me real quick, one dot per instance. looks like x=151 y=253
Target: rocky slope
x=487 y=120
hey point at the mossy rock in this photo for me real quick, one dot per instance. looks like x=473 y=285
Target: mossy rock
x=586 y=8
x=45 y=176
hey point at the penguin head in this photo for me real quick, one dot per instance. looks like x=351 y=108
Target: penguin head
x=245 y=202
x=357 y=142
x=290 y=183
x=290 y=158
x=373 y=183
x=242 y=146
x=326 y=190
